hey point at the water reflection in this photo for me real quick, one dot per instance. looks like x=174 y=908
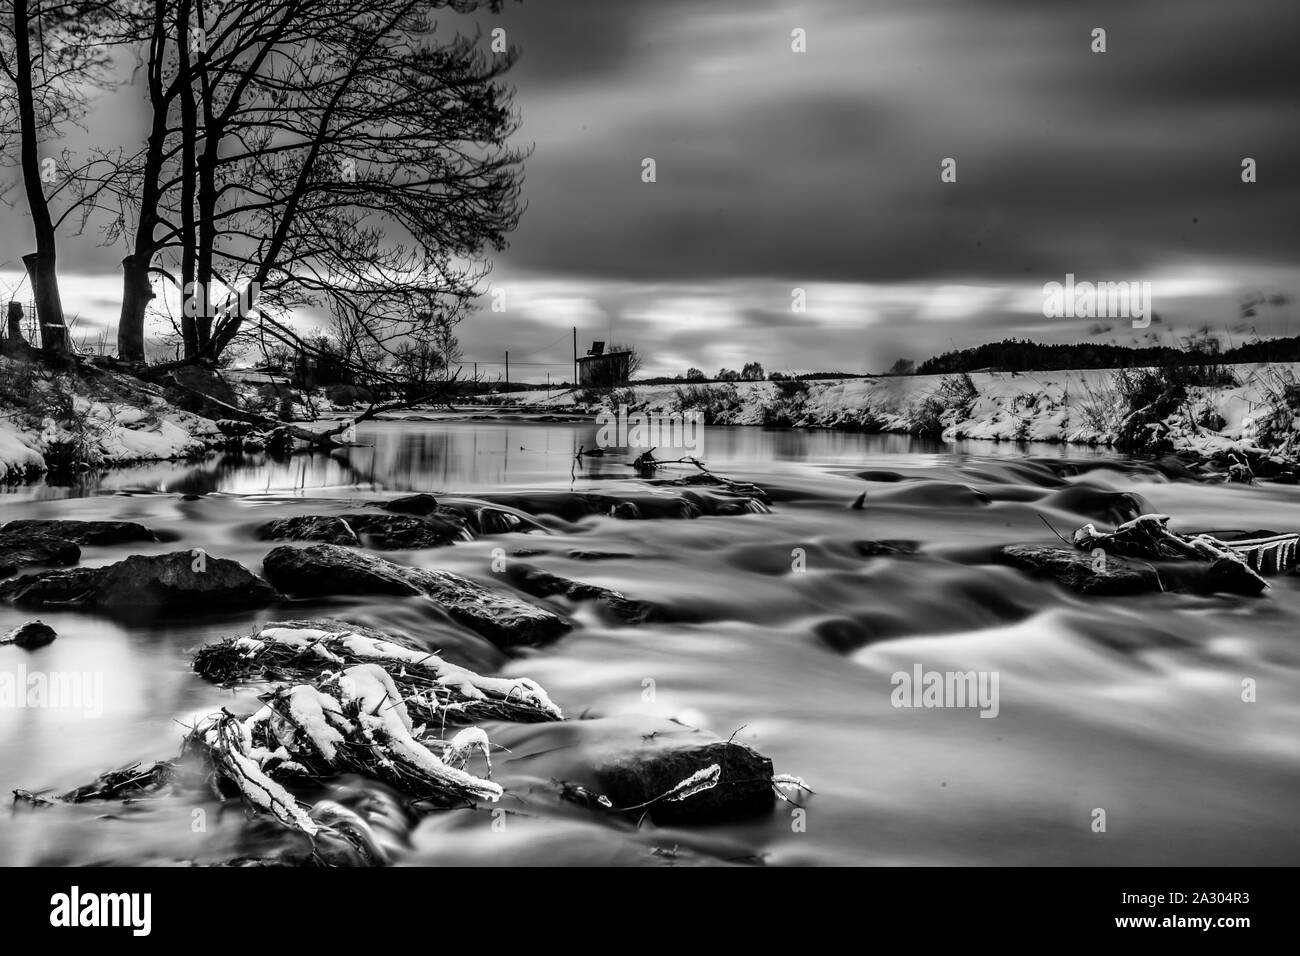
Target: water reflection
x=470 y=455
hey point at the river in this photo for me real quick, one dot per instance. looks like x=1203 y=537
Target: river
x=1133 y=706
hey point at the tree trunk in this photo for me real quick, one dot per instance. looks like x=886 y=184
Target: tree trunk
x=137 y=291
x=41 y=263
x=136 y=295
x=49 y=308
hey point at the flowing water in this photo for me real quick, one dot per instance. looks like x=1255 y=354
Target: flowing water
x=1133 y=706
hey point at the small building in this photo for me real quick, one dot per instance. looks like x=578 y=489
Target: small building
x=601 y=369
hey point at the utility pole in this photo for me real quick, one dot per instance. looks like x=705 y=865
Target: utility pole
x=575 y=356
x=507 y=370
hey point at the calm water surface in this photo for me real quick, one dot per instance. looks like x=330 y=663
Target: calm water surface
x=1130 y=705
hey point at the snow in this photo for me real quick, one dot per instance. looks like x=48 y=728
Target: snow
x=461 y=679
x=384 y=715
x=141 y=427
x=460 y=747
x=258 y=788
x=316 y=714
x=18 y=457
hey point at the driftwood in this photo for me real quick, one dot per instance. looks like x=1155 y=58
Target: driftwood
x=353 y=701
x=435 y=691
x=1149 y=537
x=646 y=464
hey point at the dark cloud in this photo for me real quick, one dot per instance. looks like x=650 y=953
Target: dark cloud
x=1066 y=158
x=821 y=169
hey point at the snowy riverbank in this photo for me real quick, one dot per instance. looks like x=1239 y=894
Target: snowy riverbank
x=1075 y=406
x=50 y=420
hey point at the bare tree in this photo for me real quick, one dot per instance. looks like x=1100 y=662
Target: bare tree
x=50 y=54
x=324 y=153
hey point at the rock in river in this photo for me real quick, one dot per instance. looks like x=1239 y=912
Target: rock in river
x=324 y=528
x=398 y=532
x=180 y=580
x=18 y=550
x=29 y=635
x=533 y=580
x=324 y=569
x=1079 y=571
x=743 y=784
x=83 y=532
x=420 y=504
x=383 y=532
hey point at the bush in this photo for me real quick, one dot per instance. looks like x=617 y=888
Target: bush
x=1275 y=427
x=950 y=402
x=1148 y=396
x=787 y=406
x=18 y=382
x=714 y=403
x=349 y=394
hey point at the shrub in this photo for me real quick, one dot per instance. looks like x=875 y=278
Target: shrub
x=949 y=403
x=343 y=394
x=787 y=405
x=713 y=403
x=1148 y=396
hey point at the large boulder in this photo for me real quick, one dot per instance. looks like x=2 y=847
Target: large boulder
x=324 y=569
x=18 y=550
x=182 y=579
x=641 y=778
x=82 y=532
x=1080 y=571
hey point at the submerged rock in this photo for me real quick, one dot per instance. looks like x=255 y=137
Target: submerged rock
x=325 y=569
x=626 y=510
x=82 y=532
x=1081 y=572
x=1099 y=504
x=740 y=787
x=323 y=528
x=533 y=580
x=421 y=504
x=393 y=532
x=29 y=635
x=18 y=550
x=875 y=549
x=383 y=532
x=182 y=579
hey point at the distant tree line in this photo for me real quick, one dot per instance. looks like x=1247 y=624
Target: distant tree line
x=1012 y=355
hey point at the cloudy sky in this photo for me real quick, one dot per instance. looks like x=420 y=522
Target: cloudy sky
x=779 y=170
